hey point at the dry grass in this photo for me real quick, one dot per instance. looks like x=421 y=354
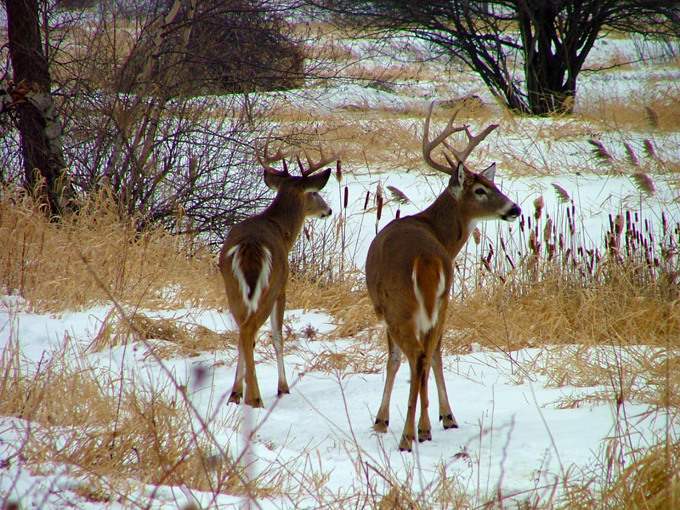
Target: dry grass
x=171 y=337
x=659 y=113
x=650 y=481
x=95 y=257
x=83 y=417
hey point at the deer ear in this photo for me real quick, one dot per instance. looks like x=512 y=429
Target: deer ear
x=457 y=181
x=460 y=171
x=273 y=181
x=490 y=172
x=316 y=181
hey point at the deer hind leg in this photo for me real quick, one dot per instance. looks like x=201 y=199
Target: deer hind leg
x=418 y=364
x=276 y=321
x=445 y=413
x=246 y=347
x=237 y=390
x=382 y=419
x=431 y=341
x=424 y=426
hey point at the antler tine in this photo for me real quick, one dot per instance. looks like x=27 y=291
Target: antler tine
x=266 y=160
x=313 y=167
x=473 y=141
x=461 y=156
x=428 y=145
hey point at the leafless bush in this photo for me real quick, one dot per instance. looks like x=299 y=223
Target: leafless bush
x=167 y=158
x=220 y=46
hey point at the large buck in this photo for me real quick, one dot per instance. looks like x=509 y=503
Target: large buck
x=254 y=263
x=409 y=274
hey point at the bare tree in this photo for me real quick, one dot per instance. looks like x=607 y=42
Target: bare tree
x=29 y=100
x=165 y=154
x=529 y=53
x=167 y=158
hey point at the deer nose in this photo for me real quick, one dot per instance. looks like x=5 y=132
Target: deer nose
x=513 y=213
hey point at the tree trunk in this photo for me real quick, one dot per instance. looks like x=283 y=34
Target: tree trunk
x=39 y=127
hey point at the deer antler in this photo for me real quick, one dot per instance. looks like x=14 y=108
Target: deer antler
x=460 y=156
x=313 y=167
x=266 y=160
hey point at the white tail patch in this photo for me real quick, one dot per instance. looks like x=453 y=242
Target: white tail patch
x=251 y=299
x=424 y=321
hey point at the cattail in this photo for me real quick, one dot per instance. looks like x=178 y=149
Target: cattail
x=663 y=222
x=632 y=158
x=533 y=244
x=547 y=231
x=644 y=183
x=561 y=193
x=398 y=215
x=338 y=171
x=193 y=165
x=619 y=228
x=652 y=117
x=379 y=198
x=346 y=197
x=477 y=236
x=539 y=204
x=600 y=151
x=368 y=196
x=618 y=224
x=398 y=195
x=649 y=149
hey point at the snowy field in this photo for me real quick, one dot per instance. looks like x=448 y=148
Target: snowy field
x=521 y=436
x=518 y=435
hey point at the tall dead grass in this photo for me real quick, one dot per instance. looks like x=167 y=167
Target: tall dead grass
x=94 y=256
x=115 y=434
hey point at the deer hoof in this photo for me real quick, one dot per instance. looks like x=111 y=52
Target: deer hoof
x=235 y=397
x=381 y=425
x=405 y=443
x=255 y=402
x=449 y=422
x=424 y=435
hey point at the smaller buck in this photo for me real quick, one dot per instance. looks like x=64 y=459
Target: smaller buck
x=409 y=274
x=254 y=263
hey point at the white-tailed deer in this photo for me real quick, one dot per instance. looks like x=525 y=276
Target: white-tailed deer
x=254 y=263
x=409 y=274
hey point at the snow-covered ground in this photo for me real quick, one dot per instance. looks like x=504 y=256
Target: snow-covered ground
x=517 y=434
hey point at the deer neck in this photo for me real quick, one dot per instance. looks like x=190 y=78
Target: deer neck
x=286 y=212
x=448 y=223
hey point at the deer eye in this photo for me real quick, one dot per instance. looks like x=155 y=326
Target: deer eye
x=480 y=192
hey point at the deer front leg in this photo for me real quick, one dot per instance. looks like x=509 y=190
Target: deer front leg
x=445 y=413
x=382 y=419
x=276 y=321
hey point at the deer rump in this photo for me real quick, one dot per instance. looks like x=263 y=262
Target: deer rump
x=426 y=273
